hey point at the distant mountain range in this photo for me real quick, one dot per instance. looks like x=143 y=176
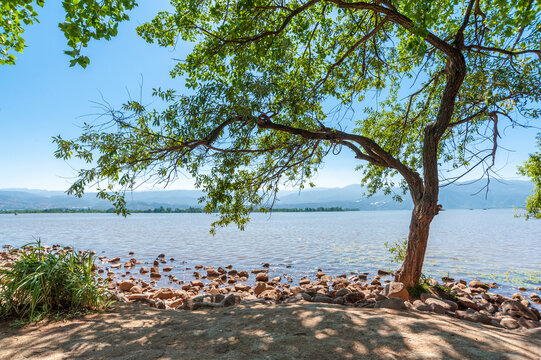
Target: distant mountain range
x=506 y=194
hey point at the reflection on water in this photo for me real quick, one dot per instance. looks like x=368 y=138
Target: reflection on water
x=486 y=244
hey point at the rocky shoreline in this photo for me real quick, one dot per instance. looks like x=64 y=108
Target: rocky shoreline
x=131 y=281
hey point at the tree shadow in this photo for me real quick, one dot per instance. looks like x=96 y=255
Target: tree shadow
x=300 y=331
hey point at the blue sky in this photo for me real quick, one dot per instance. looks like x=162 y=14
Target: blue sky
x=41 y=96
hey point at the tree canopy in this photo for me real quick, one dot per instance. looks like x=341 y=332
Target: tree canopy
x=277 y=85
x=85 y=20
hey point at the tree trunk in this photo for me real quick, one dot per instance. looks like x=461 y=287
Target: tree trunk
x=410 y=272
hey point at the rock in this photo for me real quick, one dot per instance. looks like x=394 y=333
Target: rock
x=384 y=272
x=116 y=266
x=354 y=297
x=304 y=282
x=94 y=267
x=241 y=287
x=396 y=303
x=474 y=316
x=522 y=288
x=164 y=294
x=517 y=309
x=437 y=308
x=535 y=298
x=509 y=323
x=259 y=288
x=136 y=290
x=479 y=284
x=167 y=268
x=265 y=265
x=133 y=297
x=244 y=274
x=342 y=292
x=125 y=285
x=528 y=324
x=396 y=289
x=322 y=299
x=262 y=277
x=143 y=270
x=421 y=306
x=467 y=303
x=446 y=304
x=155 y=275
x=231 y=300
x=197 y=283
x=211 y=272
x=114 y=260
x=160 y=304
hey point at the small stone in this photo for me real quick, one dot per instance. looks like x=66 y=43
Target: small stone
x=136 y=290
x=114 y=260
x=384 y=272
x=212 y=272
x=143 y=270
x=262 y=277
x=231 y=300
x=167 y=268
x=197 y=283
x=164 y=294
x=522 y=288
x=304 y=282
x=125 y=285
x=259 y=288
x=479 y=284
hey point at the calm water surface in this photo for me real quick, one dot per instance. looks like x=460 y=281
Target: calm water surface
x=485 y=244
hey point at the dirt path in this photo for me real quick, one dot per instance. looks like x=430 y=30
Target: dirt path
x=293 y=331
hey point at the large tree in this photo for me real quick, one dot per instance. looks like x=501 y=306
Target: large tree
x=275 y=85
x=84 y=20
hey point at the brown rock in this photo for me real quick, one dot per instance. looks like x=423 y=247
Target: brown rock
x=304 y=282
x=384 y=272
x=396 y=289
x=244 y=274
x=322 y=299
x=143 y=270
x=136 y=290
x=467 y=303
x=197 y=283
x=259 y=288
x=164 y=294
x=125 y=285
x=116 y=266
x=213 y=273
x=167 y=268
x=114 y=260
x=261 y=276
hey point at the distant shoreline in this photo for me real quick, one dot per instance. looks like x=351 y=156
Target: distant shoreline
x=162 y=210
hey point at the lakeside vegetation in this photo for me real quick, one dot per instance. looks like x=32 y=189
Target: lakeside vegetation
x=162 y=210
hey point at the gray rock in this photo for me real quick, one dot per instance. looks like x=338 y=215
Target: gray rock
x=476 y=317
x=392 y=303
x=509 y=323
x=446 y=304
x=436 y=308
x=323 y=299
x=230 y=300
x=517 y=309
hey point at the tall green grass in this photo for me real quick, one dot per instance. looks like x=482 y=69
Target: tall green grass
x=42 y=285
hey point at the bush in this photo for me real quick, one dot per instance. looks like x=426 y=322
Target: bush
x=397 y=250
x=42 y=284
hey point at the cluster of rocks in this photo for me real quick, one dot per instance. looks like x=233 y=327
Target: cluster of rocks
x=226 y=286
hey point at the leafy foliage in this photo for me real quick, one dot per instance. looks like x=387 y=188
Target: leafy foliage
x=397 y=250
x=532 y=169
x=42 y=284
x=85 y=20
x=276 y=86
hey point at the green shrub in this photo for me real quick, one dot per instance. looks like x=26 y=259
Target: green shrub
x=397 y=250
x=42 y=284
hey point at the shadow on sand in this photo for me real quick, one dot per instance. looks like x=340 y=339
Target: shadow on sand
x=292 y=331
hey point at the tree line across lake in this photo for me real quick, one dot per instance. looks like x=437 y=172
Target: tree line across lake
x=162 y=210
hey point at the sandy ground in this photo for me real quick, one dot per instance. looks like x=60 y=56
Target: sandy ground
x=288 y=331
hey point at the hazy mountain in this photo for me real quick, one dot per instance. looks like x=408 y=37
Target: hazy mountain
x=458 y=196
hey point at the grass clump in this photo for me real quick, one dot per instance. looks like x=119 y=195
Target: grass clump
x=45 y=284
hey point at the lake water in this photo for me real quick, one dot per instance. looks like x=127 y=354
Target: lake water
x=491 y=245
